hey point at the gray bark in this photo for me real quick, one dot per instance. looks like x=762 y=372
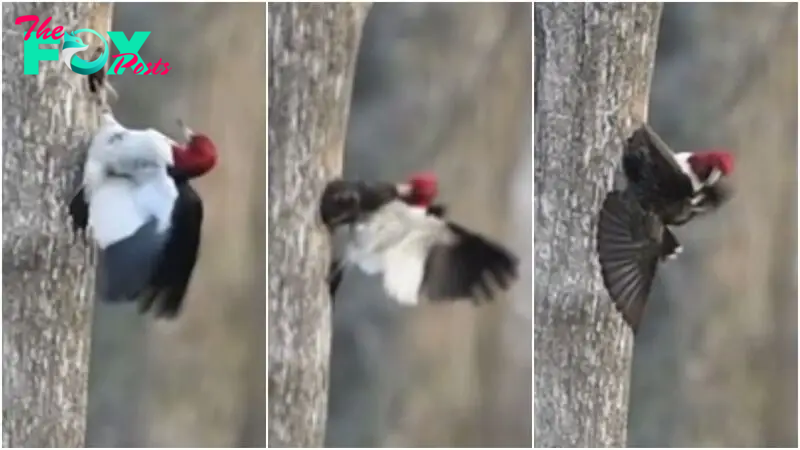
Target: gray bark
x=593 y=64
x=47 y=123
x=312 y=52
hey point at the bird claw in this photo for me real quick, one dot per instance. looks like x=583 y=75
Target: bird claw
x=678 y=250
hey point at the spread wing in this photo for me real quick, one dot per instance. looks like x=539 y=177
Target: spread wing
x=467 y=265
x=653 y=173
x=630 y=243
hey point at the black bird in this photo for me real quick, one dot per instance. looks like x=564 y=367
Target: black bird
x=664 y=189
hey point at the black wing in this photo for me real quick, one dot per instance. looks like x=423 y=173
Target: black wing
x=630 y=243
x=334 y=279
x=654 y=175
x=345 y=201
x=467 y=267
x=437 y=210
x=79 y=211
x=171 y=278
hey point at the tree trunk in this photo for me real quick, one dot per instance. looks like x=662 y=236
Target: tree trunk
x=593 y=64
x=48 y=121
x=312 y=51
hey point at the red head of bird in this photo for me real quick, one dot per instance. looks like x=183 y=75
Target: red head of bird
x=704 y=163
x=420 y=189
x=197 y=156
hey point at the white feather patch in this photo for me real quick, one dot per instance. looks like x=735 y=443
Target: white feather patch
x=405 y=265
x=683 y=162
x=119 y=207
x=119 y=148
x=395 y=241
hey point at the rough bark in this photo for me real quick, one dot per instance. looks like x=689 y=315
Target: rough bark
x=592 y=69
x=48 y=120
x=312 y=51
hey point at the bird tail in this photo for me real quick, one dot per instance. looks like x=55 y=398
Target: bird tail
x=629 y=254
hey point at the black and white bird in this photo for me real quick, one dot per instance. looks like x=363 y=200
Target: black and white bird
x=137 y=206
x=395 y=232
x=663 y=189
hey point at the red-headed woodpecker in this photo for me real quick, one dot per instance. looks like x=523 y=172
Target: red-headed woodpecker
x=394 y=231
x=663 y=189
x=138 y=207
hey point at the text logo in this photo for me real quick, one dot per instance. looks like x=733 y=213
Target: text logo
x=128 y=56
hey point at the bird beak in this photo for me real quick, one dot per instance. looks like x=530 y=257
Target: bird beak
x=187 y=132
x=715 y=175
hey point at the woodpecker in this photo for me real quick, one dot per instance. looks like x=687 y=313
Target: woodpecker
x=138 y=207
x=394 y=231
x=664 y=189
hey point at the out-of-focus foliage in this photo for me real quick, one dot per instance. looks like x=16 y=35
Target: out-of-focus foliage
x=716 y=362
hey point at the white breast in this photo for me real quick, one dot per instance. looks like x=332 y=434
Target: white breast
x=395 y=242
x=119 y=207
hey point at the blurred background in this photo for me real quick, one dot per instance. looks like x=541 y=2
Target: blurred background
x=715 y=363
x=200 y=380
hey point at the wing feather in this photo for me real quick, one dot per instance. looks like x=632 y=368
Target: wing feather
x=628 y=253
x=171 y=279
x=653 y=172
x=467 y=265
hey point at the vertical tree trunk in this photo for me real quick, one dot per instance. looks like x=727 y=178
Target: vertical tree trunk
x=592 y=73
x=312 y=51
x=48 y=120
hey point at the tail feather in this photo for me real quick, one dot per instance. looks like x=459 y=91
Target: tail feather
x=628 y=254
